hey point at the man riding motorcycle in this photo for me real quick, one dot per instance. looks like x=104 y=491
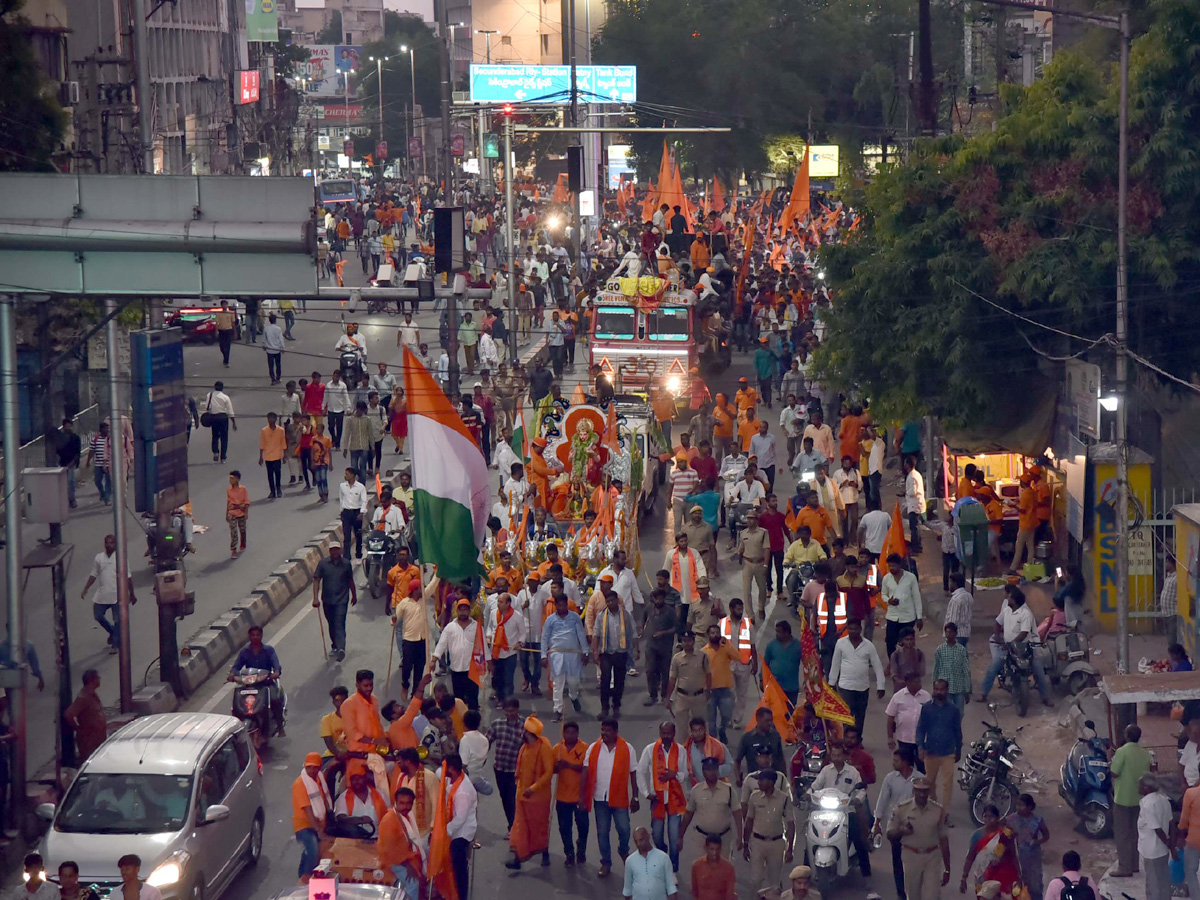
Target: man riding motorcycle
x=257 y=655
x=353 y=342
x=389 y=517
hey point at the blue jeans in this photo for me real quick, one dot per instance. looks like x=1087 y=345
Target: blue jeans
x=310 y=853
x=406 y=880
x=103 y=483
x=531 y=662
x=289 y=318
x=1191 y=861
x=100 y=611
x=1039 y=675
x=959 y=700
x=720 y=699
x=668 y=843
x=360 y=460
x=71 y=470
x=963 y=641
x=606 y=816
x=321 y=479
x=503 y=671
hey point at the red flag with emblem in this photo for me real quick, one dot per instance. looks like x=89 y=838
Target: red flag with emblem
x=826 y=702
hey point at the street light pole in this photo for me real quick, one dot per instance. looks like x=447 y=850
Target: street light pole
x=379 y=74
x=412 y=68
x=509 y=243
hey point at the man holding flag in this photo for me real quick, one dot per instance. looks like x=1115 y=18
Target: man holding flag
x=462 y=639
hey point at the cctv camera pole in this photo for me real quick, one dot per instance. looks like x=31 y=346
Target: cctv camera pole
x=116 y=462
x=10 y=410
x=447 y=159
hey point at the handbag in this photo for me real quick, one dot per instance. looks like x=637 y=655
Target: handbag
x=206 y=416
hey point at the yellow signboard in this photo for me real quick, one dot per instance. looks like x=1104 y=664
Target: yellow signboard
x=1104 y=548
x=1187 y=568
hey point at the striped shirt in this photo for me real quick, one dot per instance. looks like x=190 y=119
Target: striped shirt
x=99 y=450
x=950 y=662
x=683 y=482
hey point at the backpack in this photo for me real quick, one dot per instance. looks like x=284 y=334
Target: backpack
x=1080 y=890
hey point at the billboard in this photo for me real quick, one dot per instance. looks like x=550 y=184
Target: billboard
x=262 y=21
x=823 y=161
x=552 y=84
x=327 y=68
x=248 y=88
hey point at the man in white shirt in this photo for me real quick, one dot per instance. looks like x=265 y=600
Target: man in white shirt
x=850 y=671
x=458 y=640
x=388 y=514
x=606 y=791
x=290 y=404
x=849 y=482
x=903 y=711
x=914 y=503
x=839 y=774
x=895 y=789
x=762 y=445
x=337 y=404
x=749 y=489
x=875 y=453
x=273 y=346
x=503 y=652
x=902 y=596
x=1153 y=844
x=104 y=601
x=352 y=497
x=463 y=821
x=1016 y=623
x=625 y=585
x=219 y=408
x=473 y=748
x=792 y=420
x=873 y=527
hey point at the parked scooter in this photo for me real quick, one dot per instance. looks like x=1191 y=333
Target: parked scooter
x=987 y=774
x=1066 y=660
x=1086 y=785
x=830 y=851
x=252 y=703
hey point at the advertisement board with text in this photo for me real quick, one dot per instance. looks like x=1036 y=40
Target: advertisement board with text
x=552 y=84
x=332 y=70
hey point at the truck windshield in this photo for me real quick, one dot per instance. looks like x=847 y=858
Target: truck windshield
x=125 y=804
x=667 y=323
x=614 y=322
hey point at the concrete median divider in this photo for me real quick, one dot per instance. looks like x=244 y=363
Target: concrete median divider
x=276 y=592
x=214 y=645
x=295 y=574
x=194 y=670
x=235 y=625
x=155 y=698
x=256 y=607
x=308 y=556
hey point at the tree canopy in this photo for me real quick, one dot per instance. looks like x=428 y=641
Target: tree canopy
x=966 y=232
x=33 y=122
x=397 y=72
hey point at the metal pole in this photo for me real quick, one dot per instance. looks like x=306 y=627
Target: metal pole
x=1123 y=360
x=379 y=72
x=509 y=239
x=117 y=463
x=12 y=550
x=447 y=162
x=575 y=213
x=483 y=179
x=141 y=73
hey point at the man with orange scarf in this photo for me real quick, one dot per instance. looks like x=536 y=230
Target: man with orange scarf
x=661 y=772
x=685 y=566
x=359 y=810
x=504 y=634
x=409 y=773
x=400 y=847
x=610 y=788
x=530 y=832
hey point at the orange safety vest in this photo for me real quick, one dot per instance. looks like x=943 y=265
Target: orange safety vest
x=745 y=643
x=839 y=614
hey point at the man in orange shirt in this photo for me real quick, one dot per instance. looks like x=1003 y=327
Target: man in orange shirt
x=237 y=510
x=400 y=733
x=1042 y=496
x=401 y=577
x=746 y=396
x=505 y=570
x=399 y=845
x=360 y=715
x=1027 y=522
x=747 y=429
x=721 y=657
x=850 y=432
x=272 y=445
x=569 y=755
x=311 y=806
x=540 y=470
x=815 y=516
x=724 y=417
x=966 y=483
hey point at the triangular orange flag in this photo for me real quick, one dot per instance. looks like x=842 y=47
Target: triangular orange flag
x=798 y=205
x=441 y=870
x=774 y=699
x=611 y=439
x=718 y=196
x=894 y=542
x=378 y=486
x=578 y=396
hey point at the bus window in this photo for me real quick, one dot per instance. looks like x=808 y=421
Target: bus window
x=614 y=323
x=336 y=190
x=668 y=324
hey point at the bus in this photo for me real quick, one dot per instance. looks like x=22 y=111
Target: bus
x=335 y=190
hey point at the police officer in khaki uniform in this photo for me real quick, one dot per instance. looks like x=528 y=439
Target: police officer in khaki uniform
x=801 y=889
x=687 y=684
x=919 y=825
x=706 y=611
x=769 y=832
x=714 y=807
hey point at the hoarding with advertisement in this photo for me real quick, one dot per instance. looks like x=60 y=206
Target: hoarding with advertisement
x=552 y=84
x=248 y=91
x=328 y=67
x=457 y=146
x=414 y=148
x=618 y=165
x=262 y=21
x=340 y=112
x=823 y=161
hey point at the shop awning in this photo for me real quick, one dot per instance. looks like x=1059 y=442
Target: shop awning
x=1024 y=424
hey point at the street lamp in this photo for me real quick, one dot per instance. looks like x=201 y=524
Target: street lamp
x=379 y=61
x=487 y=33
x=412 y=68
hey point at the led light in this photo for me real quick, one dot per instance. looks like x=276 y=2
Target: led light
x=830 y=803
x=552 y=221
x=1110 y=402
x=169 y=872
x=821 y=275
x=674 y=384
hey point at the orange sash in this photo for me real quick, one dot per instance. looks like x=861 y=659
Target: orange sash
x=712 y=748
x=500 y=639
x=395 y=846
x=618 y=785
x=677 y=577
x=669 y=793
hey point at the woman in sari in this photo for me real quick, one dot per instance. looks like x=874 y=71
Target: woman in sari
x=992 y=856
x=530 y=833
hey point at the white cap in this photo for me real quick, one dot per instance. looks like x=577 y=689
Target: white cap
x=335 y=544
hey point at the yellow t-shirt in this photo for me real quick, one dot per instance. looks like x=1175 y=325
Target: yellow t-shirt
x=332 y=727
x=864 y=461
x=719 y=664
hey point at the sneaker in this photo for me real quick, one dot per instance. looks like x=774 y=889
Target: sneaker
x=558 y=717
x=233 y=554
x=578 y=706
x=535 y=691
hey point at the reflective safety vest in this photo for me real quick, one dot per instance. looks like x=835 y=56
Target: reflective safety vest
x=839 y=614
x=745 y=644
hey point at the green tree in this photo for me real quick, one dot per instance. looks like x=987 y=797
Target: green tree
x=332 y=32
x=33 y=122
x=397 y=71
x=1024 y=217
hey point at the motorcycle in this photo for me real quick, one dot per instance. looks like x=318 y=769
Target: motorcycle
x=795 y=580
x=807 y=762
x=1017 y=672
x=1085 y=783
x=380 y=556
x=252 y=703
x=986 y=773
x=351 y=364
x=830 y=850
x=1065 y=659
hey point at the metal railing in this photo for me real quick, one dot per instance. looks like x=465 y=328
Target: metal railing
x=32 y=455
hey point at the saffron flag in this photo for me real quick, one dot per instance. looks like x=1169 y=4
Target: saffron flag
x=774 y=699
x=744 y=269
x=798 y=205
x=826 y=702
x=894 y=542
x=452 y=490
x=441 y=871
x=718 y=198
x=578 y=397
x=520 y=438
x=611 y=439
x=478 y=658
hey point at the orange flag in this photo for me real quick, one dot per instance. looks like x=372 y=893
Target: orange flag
x=478 y=659
x=578 y=396
x=561 y=194
x=650 y=203
x=378 y=485
x=774 y=699
x=611 y=440
x=718 y=198
x=894 y=542
x=798 y=205
x=441 y=872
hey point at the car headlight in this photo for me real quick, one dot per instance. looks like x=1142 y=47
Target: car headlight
x=830 y=803
x=169 y=871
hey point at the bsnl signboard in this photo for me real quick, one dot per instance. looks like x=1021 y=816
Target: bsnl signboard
x=552 y=84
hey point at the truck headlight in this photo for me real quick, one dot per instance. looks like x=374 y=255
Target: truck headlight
x=674 y=384
x=170 y=871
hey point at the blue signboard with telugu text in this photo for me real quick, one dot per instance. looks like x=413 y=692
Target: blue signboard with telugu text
x=552 y=84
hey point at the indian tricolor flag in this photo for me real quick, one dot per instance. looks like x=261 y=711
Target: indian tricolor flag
x=520 y=438
x=451 y=490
